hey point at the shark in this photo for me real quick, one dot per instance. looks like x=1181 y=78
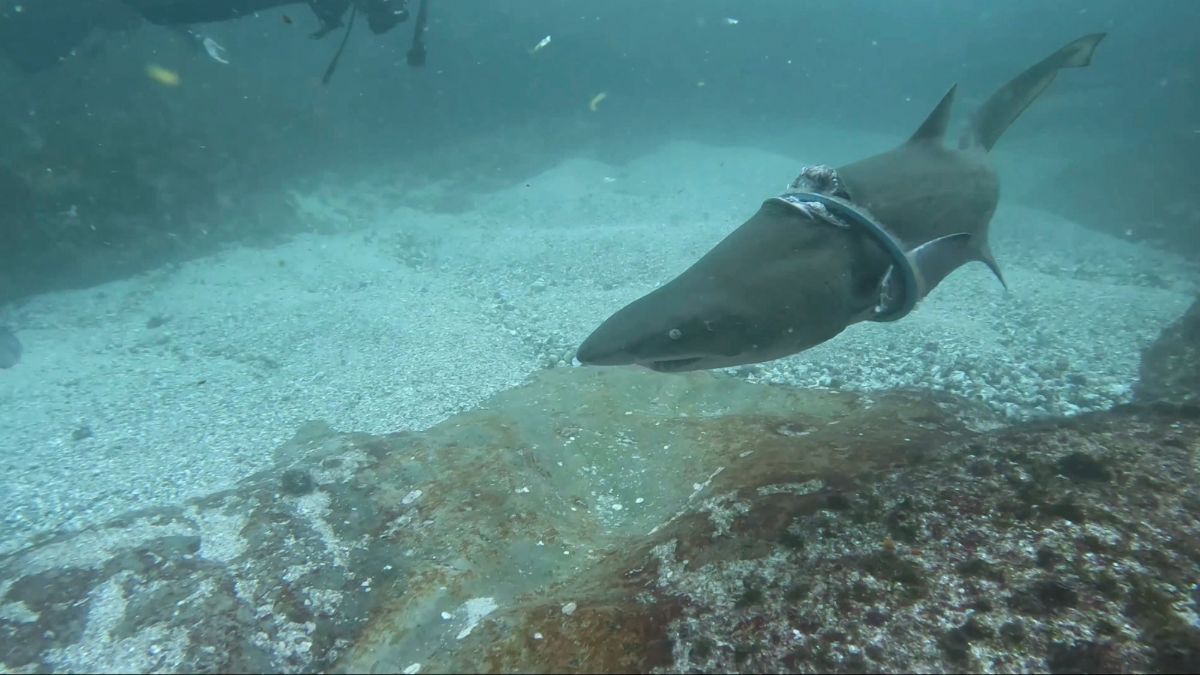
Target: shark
x=861 y=242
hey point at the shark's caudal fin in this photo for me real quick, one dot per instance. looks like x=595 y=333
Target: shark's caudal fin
x=1009 y=101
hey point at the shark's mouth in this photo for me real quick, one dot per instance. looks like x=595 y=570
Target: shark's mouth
x=672 y=365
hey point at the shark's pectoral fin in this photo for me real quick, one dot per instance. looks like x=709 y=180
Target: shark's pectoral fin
x=911 y=278
x=920 y=271
x=916 y=272
x=935 y=260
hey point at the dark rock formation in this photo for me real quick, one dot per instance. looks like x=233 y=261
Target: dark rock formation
x=1146 y=192
x=625 y=521
x=1170 y=368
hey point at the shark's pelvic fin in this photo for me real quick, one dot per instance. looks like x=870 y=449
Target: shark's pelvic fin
x=933 y=130
x=1009 y=101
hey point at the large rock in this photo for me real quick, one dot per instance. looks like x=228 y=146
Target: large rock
x=1145 y=191
x=1170 y=368
x=620 y=520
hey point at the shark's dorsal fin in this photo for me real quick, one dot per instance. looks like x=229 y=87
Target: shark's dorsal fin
x=934 y=127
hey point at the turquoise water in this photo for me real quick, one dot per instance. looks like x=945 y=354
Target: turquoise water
x=288 y=377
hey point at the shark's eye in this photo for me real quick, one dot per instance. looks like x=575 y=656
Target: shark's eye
x=674 y=333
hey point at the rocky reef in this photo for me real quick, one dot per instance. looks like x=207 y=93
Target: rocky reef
x=614 y=520
x=1150 y=199
x=1170 y=368
x=142 y=174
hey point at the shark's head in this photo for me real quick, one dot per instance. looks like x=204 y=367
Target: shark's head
x=660 y=332
x=779 y=284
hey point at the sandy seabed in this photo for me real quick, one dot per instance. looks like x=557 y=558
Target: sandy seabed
x=181 y=381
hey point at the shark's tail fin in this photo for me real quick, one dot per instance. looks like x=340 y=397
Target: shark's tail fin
x=1009 y=101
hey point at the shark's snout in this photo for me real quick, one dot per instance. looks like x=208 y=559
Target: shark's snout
x=683 y=325
x=602 y=350
x=642 y=333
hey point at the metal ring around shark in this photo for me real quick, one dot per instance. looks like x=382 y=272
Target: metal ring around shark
x=890 y=307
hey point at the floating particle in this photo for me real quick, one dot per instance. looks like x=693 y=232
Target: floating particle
x=215 y=50
x=731 y=21
x=167 y=78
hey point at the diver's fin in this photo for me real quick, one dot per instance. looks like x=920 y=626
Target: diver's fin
x=934 y=127
x=1008 y=102
x=333 y=64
